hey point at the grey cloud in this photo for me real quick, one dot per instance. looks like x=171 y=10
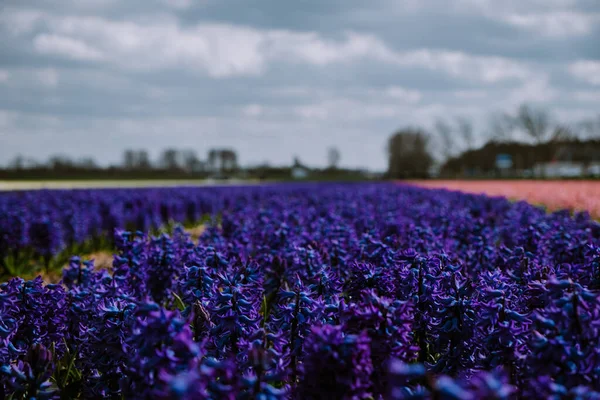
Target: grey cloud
x=277 y=79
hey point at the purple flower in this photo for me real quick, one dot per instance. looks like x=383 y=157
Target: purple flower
x=335 y=365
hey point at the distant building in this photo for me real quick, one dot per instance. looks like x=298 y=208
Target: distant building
x=593 y=169
x=553 y=159
x=300 y=172
x=434 y=170
x=562 y=169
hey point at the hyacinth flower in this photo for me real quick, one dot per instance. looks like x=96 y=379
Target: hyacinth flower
x=196 y=283
x=502 y=330
x=336 y=365
x=14 y=235
x=593 y=266
x=294 y=313
x=31 y=314
x=234 y=312
x=130 y=261
x=46 y=237
x=186 y=385
x=565 y=341
x=29 y=378
x=412 y=381
x=368 y=276
x=78 y=273
x=453 y=326
x=163 y=345
x=160 y=269
x=417 y=280
x=101 y=345
x=545 y=387
x=263 y=368
x=388 y=325
x=274 y=273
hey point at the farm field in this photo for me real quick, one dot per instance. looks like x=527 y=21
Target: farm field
x=555 y=195
x=297 y=291
x=104 y=184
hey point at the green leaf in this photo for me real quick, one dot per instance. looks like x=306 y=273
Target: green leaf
x=178 y=302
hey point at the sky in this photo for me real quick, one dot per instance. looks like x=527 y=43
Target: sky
x=276 y=79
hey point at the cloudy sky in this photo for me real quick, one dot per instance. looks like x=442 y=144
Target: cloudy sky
x=275 y=78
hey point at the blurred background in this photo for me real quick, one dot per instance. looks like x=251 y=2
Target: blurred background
x=305 y=90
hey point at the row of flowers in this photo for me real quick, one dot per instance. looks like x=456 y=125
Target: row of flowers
x=555 y=195
x=369 y=291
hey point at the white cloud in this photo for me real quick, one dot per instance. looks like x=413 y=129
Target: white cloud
x=223 y=50
x=586 y=71
x=4 y=75
x=19 y=22
x=65 y=46
x=556 y=24
x=488 y=69
x=47 y=77
x=252 y=110
x=407 y=95
x=312 y=112
x=470 y=94
x=587 y=96
x=178 y=4
x=7 y=118
x=313 y=49
x=537 y=90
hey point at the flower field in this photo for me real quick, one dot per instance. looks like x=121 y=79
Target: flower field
x=556 y=195
x=305 y=291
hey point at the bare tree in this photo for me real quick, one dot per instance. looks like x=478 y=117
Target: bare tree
x=534 y=122
x=213 y=156
x=501 y=127
x=190 y=161
x=58 y=162
x=221 y=160
x=444 y=134
x=143 y=160
x=170 y=159
x=129 y=159
x=590 y=128
x=333 y=157
x=464 y=127
x=18 y=163
x=87 y=163
x=562 y=132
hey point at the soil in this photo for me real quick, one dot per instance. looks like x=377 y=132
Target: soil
x=104 y=259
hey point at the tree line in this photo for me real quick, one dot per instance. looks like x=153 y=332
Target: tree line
x=172 y=163
x=530 y=135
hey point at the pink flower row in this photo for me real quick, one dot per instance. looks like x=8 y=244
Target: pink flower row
x=573 y=195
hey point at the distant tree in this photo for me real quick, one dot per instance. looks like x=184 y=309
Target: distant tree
x=191 y=162
x=464 y=127
x=501 y=127
x=408 y=154
x=59 y=162
x=444 y=138
x=333 y=157
x=170 y=159
x=129 y=159
x=562 y=132
x=143 y=160
x=536 y=123
x=296 y=163
x=87 y=163
x=213 y=156
x=18 y=163
x=228 y=160
x=590 y=128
